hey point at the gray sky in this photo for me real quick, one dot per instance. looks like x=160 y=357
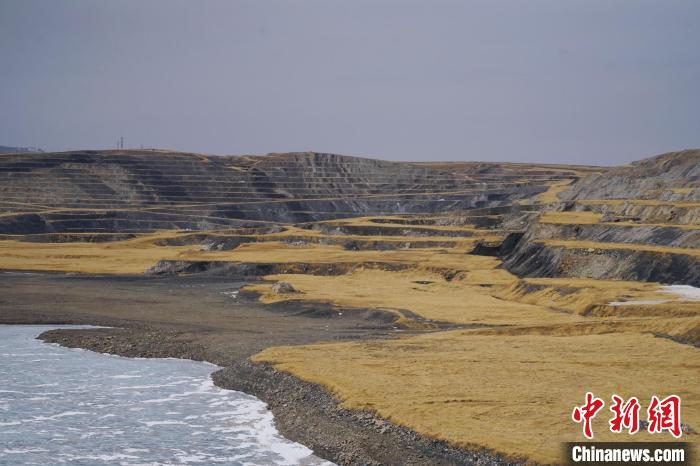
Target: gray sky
x=600 y=82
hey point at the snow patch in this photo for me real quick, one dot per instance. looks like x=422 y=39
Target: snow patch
x=687 y=292
x=640 y=302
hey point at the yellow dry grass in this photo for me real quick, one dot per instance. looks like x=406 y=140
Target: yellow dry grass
x=682 y=190
x=513 y=394
x=672 y=308
x=578 y=295
x=134 y=256
x=119 y=257
x=461 y=300
x=552 y=193
x=509 y=386
x=624 y=246
x=571 y=217
x=277 y=252
x=481 y=293
x=684 y=328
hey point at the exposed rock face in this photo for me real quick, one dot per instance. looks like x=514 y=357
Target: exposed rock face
x=669 y=177
x=537 y=259
x=283 y=288
x=243 y=270
x=653 y=202
x=140 y=191
x=667 y=235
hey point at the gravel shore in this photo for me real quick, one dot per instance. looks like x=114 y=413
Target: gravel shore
x=151 y=321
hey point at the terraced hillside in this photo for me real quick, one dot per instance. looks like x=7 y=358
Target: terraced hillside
x=509 y=290
x=141 y=191
x=639 y=222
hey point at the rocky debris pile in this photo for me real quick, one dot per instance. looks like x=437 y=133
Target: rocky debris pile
x=283 y=288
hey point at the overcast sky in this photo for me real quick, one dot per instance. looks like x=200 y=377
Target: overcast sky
x=590 y=82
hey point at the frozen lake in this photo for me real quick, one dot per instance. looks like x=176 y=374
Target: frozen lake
x=60 y=406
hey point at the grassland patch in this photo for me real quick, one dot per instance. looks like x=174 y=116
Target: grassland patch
x=513 y=394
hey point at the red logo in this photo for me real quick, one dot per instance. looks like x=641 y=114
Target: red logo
x=587 y=412
x=626 y=415
x=662 y=415
x=665 y=415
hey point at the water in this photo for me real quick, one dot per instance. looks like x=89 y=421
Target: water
x=60 y=406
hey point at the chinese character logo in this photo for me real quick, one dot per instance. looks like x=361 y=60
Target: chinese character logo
x=665 y=415
x=587 y=412
x=662 y=415
x=625 y=415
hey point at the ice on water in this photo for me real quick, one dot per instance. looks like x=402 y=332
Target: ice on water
x=63 y=406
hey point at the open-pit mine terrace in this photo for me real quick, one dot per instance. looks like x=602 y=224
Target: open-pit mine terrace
x=497 y=294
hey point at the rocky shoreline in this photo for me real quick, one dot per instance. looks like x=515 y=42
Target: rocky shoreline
x=304 y=412
x=163 y=317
